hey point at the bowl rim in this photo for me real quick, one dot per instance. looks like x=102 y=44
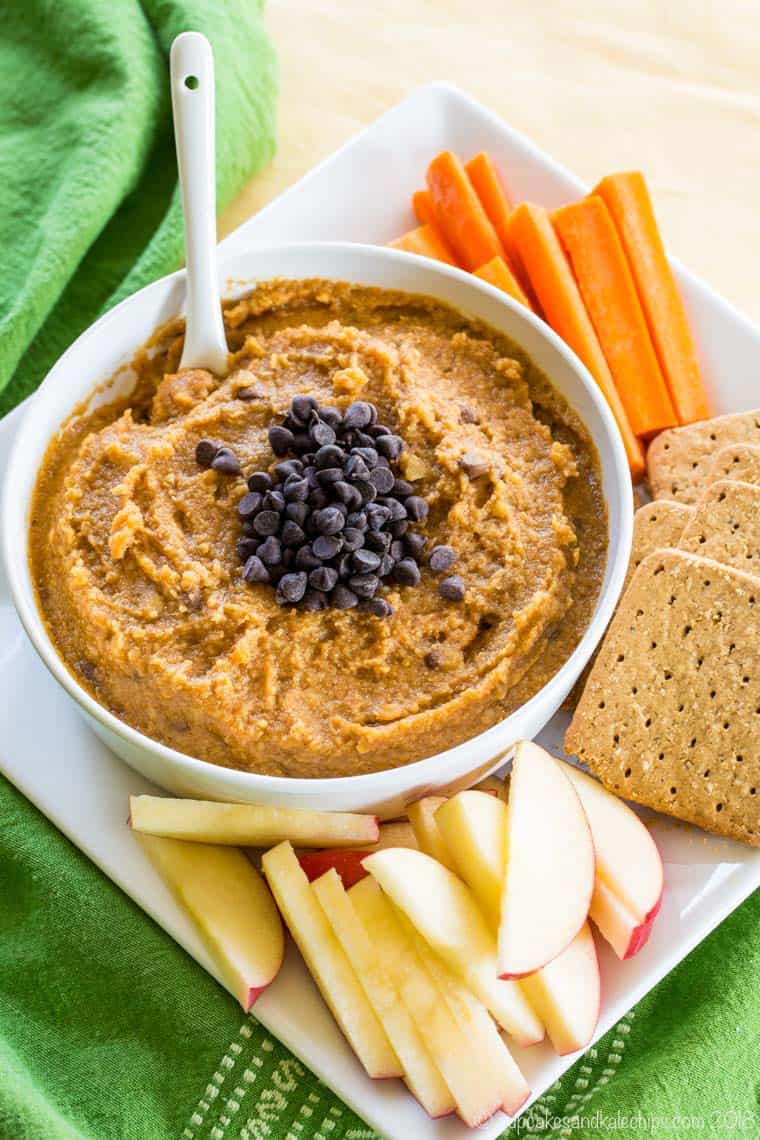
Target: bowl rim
x=380 y=782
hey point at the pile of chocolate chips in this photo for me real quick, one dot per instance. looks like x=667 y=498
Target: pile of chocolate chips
x=331 y=526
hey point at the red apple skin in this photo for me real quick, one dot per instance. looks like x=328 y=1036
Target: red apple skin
x=346 y=862
x=640 y=935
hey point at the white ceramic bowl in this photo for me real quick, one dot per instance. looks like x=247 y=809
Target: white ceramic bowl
x=106 y=349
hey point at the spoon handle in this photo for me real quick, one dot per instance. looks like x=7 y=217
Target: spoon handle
x=192 y=84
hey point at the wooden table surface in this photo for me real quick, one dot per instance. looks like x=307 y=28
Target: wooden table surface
x=670 y=87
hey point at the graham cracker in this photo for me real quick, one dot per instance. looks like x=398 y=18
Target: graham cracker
x=655 y=526
x=737 y=461
x=670 y=716
x=725 y=525
x=678 y=459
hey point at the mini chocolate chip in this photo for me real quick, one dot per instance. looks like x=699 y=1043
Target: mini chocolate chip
x=226 y=462
x=342 y=598
x=378 y=607
x=331 y=416
x=362 y=440
x=364 y=585
x=249 y=504
x=270 y=551
x=466 y=415
x=301 y=408
x=302 y=444
x=321 y=434
x=398 y=528
x=343 y=565
x=313 y=601
x=296 y=490
x=329 y=520
x=280 y=439
x=326 y=546
x=390 y=446
x=407 y=572
x=386 y=565
x=248 y=529
x=347 y=494
x=379 y=429
x=452 y=589
x=289 y=557
x=340 y=507
x=378 y=541
x=318 y=499
x=397 y=549
x=401 y=489
x=396 y=509
x=474 y=466
x=329 y=456
x=353 y=539
x=266 y=523
x=359 y=415
x=248 y=393
x=292 y=533
x=276 y=572
x=441 y=558
x=255 y=570
x=368 y=454
x=289 y=467
x=306 y=559
x=366 y=489
x=355 y=467
x=297 y=511
x=205 y=452
x=378 y=516
x=364 y=561
x=310 y=474
x=329 y=475
x=383 y=479
x=416 y=508
x=324 y=578
x=245 y=547
x=415 y=544
x=259 y=481
x=433 y=658
x=274 y=501
x=291 y=588
x=358 y=520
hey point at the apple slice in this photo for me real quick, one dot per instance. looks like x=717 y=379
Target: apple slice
x=566 y=993
x=447 y=916
x=420 y=1072
x=474 y=828
x=628 y=867
x=328 y=963
x=497 y=1064
x=624 y=931
x=450 y=1046
x=230 y=905
x=346 y=862
x=249 y=825
x=550 y=864
x=429 y=839
x=397 y=833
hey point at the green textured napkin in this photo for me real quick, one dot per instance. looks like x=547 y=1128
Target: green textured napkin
x=108 y=1030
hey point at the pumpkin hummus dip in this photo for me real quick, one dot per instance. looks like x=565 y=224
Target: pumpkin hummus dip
x=378 y=535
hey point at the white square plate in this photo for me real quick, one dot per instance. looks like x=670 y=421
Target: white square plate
x=362 y=193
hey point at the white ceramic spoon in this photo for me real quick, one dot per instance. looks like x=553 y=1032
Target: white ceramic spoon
x=192 y=83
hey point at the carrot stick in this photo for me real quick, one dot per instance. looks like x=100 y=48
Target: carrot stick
x=427 y=242
x=537 y=245
x=608 y=290
x=422 y=204
x=497 y=272
x=489 y=188
x=627 y=199
x=463 y=221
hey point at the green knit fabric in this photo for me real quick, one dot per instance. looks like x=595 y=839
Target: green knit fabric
x=108 y=1030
